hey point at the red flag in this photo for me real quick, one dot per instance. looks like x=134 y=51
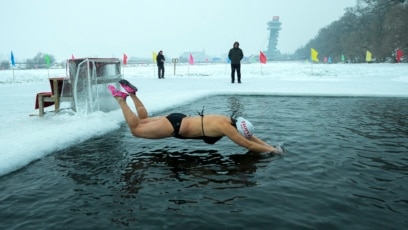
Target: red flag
x=399 y=55
x=191 y=60
x=262 y=57
x=125 y=57
x=72 y=57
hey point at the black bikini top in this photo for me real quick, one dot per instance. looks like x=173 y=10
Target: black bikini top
x=213 y=140
x=206 y=139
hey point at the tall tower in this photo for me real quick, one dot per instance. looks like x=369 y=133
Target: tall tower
x=274 y=27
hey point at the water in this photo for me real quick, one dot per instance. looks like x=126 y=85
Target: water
x=346 y=167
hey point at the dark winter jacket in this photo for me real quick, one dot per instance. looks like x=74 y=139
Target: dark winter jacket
x=160 y=59
x=235 y=55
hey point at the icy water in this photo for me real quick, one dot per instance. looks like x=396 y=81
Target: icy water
x=345 y=167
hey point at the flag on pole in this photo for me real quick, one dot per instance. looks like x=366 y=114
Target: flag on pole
x=262 y=57
x=125 y=57
x=314 y=54
x=47 y=60
x=154 y=56
x=399 y=55
x=368 y=56
x=191 y=60
x=13 y=63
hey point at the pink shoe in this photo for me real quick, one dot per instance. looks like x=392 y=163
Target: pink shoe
x=117 y=93
x=127 y=86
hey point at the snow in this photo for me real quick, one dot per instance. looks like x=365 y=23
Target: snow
x=25 y=138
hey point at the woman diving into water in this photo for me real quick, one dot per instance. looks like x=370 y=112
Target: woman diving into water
x=209 y=128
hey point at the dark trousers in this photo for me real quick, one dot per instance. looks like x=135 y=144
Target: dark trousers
x=160 y=70
x=235 y=67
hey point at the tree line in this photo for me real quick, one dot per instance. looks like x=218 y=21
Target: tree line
x=378 y=26
x=39 y=61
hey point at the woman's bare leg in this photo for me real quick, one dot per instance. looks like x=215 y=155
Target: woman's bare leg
x=131 y=119
x=140 y=109
x=149 y=127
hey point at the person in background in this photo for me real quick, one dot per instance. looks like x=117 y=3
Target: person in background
x=235 y=55
x=160 y=64
x=209 y=128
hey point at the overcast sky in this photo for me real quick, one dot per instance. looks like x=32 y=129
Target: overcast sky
x=88 y=28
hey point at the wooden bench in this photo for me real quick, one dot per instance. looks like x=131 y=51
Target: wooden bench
x=45 y=99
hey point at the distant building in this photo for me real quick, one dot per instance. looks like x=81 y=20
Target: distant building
x=199 y=57
x=138 y=60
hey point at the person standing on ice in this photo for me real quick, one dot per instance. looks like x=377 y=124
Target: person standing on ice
x=235 y=55
x=209 y=128
x=160 y=64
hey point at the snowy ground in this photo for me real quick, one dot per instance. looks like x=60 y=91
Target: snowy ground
x=24 y=138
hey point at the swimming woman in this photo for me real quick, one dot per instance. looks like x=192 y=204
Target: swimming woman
x=209 y=128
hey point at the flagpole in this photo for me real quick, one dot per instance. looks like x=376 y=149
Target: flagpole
x=47 y=63
x=312 y=67
x=123 y=70
x=13 y=64
x=313 y=57
x=262 y=60
x=190 y=62
x=124 y=62
x=154 y=57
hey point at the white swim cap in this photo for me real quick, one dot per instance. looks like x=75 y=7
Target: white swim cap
x=245 y=127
